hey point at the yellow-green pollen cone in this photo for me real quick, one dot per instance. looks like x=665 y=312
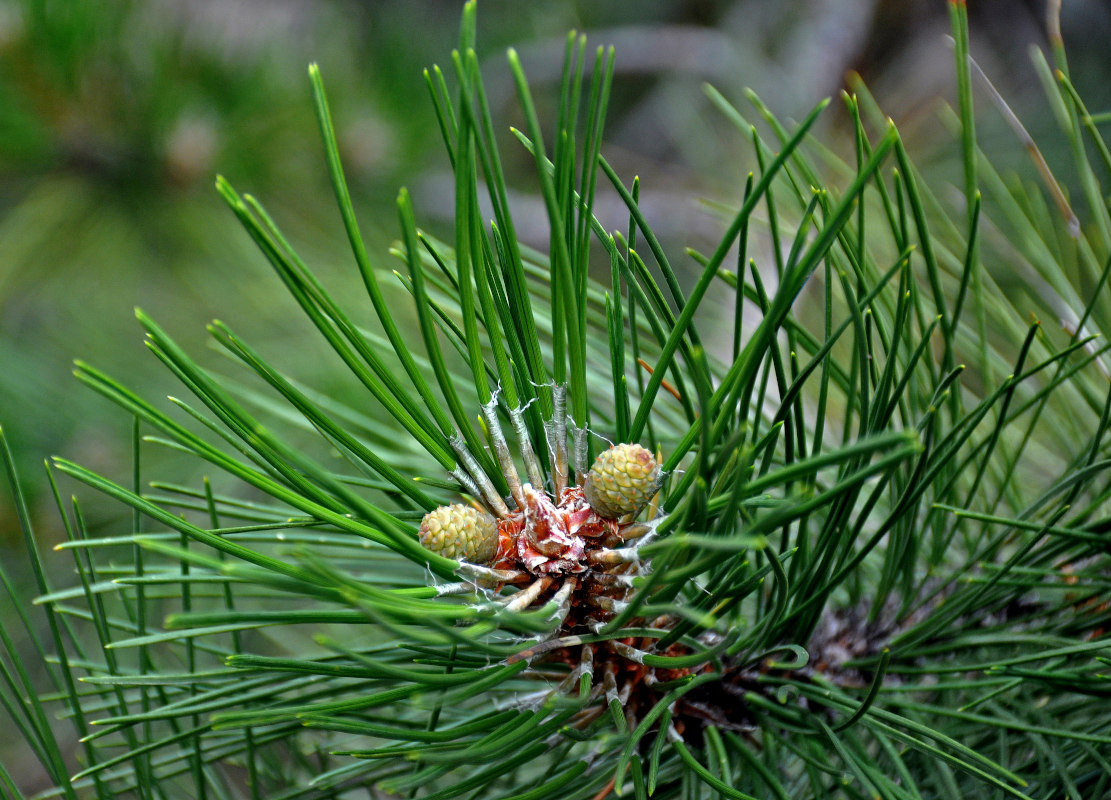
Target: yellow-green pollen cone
x=461 y=532
x=622 y=481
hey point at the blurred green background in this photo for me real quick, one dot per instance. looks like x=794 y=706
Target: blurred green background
x=116 y=116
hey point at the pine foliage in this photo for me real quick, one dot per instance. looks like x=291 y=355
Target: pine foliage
x=875 y=566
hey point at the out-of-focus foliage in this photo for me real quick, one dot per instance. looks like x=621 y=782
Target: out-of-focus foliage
x=115 y=115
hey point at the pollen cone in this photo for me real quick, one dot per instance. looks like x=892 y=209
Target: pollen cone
x=461 y=532
x=622 y=481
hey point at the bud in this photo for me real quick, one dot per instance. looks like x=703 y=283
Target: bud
x=461 y=532
x=622 y=481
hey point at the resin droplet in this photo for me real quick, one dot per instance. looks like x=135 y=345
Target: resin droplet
x=622 y=481
x=461 y=532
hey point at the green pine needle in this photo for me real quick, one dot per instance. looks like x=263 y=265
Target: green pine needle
x=876 y=565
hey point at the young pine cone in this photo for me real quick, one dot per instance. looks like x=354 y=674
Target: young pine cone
x=460 y=532
x=622 y=481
